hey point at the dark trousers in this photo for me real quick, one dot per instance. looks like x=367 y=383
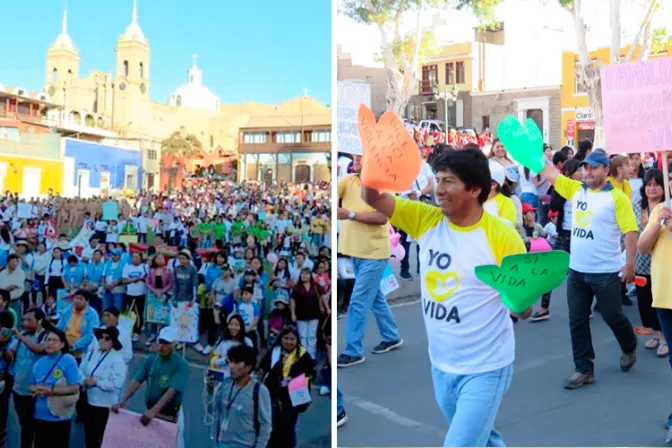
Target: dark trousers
x=24 y=405
x=42 y=289
x=283 y=434
x=52 y=434
x=405 y=263
x=94 y=426
x=648 y=314
x=55 y=283
x=4 y=408
x=206 y=322
x=344 y=290
x=546 y=300
x=665 y=319
x=606 y=288
x=137 y=305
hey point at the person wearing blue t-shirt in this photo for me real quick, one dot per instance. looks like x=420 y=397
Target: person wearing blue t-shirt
x=250 y=313
x=6 y=379
x=55 y=385
x=74 y=273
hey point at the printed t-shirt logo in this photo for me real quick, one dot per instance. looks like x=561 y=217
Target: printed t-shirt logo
x=441 y=284
x=583 y=219
x=58 y=374
x=164 y=381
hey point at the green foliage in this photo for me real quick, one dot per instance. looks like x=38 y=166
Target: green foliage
x=661 y=39
x=483 y=9
x=566 y=3
x=403 y=49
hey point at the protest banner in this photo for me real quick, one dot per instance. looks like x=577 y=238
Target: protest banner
x=350 y=96
x=522 y=278
x=299 y=391
x=157 y=311
x=125 y=430
x=184 y=317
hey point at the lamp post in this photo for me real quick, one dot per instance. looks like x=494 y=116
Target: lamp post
x=449 y=95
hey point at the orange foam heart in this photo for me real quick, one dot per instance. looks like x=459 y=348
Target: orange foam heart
x=390 y=158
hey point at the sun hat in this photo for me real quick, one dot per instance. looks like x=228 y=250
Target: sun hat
x=112 y=332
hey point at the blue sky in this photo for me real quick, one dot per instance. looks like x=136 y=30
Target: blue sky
x=262 y=50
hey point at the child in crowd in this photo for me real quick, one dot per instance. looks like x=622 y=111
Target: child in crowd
x=551 y=229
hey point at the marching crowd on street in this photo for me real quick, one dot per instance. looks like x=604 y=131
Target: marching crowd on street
x=86 y=282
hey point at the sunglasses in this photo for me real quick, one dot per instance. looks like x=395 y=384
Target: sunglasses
x=105 y=338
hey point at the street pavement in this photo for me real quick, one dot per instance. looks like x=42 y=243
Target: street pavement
x=390 y=400
x=314 y=427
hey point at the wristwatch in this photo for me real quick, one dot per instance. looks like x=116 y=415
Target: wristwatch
x=351 y=216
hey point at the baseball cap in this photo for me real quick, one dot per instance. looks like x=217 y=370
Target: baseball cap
x=552 y=214
x=528 y=208
x=168 y=335
x=116 y=252
x=497 y=173
x=596 y=159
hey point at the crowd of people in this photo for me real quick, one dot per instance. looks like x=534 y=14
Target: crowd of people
x=473 y=207
x=81 y=281
x=426 y=137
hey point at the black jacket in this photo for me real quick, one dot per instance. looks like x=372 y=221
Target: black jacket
x=273 y=378
x=558 y=205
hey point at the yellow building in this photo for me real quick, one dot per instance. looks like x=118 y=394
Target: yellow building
x=121 y=102
x=578 y=122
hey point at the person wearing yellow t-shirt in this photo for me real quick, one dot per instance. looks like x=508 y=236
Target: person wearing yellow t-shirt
x=499 y=204
x=600 y=215
x=364 y=237
x=469 y=332
x=619 y=172
x=657 y=240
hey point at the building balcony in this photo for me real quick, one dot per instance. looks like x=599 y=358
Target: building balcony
x=426 y=87
x=272 y=148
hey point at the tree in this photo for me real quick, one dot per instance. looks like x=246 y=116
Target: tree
x=588 y=73
x=402 y=52
x=661 y=40
x=181 y=145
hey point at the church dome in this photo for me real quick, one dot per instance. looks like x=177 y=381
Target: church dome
x=134 y=32
x=194 y=94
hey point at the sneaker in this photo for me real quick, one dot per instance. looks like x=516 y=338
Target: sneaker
x=208 y=349
x=406 y=276
x=341 y=316
x=668 y=437
x=385 y=347
x=579 y=380
x=349 y=361
x=150 y=341
x=135 y=337
x=538 y=316
x=324 y=390
x=198 y=347
x=628 y=360
x=342 y=418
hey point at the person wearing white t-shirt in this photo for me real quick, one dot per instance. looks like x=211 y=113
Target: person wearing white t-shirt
x=141 y=225
x=469 y=332
x=134 y=277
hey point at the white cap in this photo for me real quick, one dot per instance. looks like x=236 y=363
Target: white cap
x=168 y=334
x=497 y=173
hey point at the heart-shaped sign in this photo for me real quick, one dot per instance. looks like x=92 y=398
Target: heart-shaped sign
x=522 y=278
x=440 y=286
x=526 y=145
x=583 y=218
x=390 y=158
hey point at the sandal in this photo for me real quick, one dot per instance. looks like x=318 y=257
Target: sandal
x=652 y=343
x=643 y=331
x=663 y=350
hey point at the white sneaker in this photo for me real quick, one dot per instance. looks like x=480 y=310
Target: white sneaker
x=324 y=390
x=135 y=337
x=198 y=347
x=208 y=349
x=150 y=341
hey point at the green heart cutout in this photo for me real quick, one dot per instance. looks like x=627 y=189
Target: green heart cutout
x=524 y=144
x=522 y=278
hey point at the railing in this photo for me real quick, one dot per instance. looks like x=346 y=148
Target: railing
x=426 y=87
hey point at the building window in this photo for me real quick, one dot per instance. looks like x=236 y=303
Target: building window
x=212 y=141
x=320 y=136
x=142 y=71
x=459 y=71
x=288 y=137
x=125 y=68
x=486 y=122
x=69 y=75
x=450 y=73
x=178 y=100
x=255 y=138
x=54 y=75
x=151 y=154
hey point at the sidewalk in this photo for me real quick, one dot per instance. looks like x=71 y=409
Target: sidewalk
x=408 y=289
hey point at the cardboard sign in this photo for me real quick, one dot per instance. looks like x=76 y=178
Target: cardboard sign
x=391 y=158
x=128 y=239
x=522 y=278
x=299 y=391
x=637 y=104
x=63 y=301
x=157 y=311
x=350 y=96
x=24 y=211
x=389 y=282
x=125 y=430
x=110 y=210
x=184 y=317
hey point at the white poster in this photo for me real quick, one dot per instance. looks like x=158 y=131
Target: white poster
x=25 y=211
x=350 y=96
x=184 y=317
x=389 y=282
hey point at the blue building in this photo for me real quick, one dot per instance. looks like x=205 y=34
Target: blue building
x=91 y=168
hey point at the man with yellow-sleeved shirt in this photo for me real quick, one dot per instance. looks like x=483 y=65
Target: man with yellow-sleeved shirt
x=469 y=333
x=364 y=237
x=600 y=215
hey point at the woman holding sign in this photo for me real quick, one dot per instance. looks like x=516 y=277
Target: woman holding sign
x=470 y=335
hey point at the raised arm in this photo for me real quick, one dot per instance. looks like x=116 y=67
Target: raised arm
x=382 y=202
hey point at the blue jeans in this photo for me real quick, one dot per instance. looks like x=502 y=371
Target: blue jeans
x=366 y=296
x=665 y=318
x=113 y=299
x=339 y=401
x=470 y=404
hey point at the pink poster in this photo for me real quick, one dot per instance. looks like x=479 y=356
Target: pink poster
x=125 y=430
x=637 y=106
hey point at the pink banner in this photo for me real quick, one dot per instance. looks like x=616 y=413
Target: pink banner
x=637 y=106
x=125 y=430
